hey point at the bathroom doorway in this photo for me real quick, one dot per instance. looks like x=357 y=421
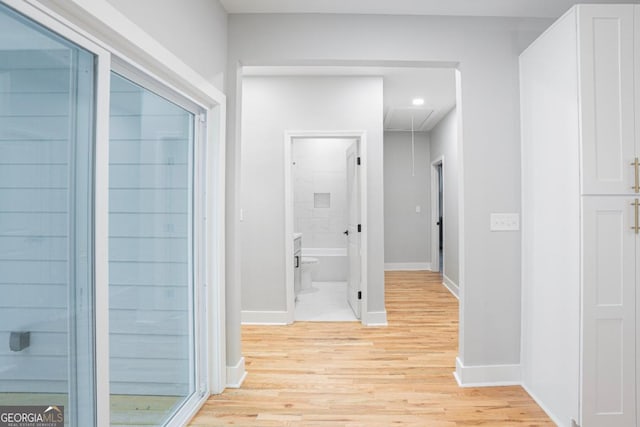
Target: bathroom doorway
x=325 y=216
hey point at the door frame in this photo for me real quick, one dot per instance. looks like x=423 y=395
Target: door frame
x=361 y=140
x=435 y=209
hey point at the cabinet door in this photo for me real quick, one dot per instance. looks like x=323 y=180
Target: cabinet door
x=608 y=312
x=607 y=98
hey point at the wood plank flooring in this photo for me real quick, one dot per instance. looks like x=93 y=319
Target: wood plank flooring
x=343 y=374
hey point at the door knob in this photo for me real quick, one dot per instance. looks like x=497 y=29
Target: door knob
x=346 y=232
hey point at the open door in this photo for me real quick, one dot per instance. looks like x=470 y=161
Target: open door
x=354 y=295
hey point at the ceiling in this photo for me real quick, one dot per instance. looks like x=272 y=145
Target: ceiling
x=504 y=8
x=401 y=85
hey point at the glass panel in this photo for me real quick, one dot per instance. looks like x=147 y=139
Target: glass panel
x=46 y=169
x=150 y=255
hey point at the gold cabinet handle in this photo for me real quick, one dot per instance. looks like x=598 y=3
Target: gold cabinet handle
x=636 y=227
x=636 y=187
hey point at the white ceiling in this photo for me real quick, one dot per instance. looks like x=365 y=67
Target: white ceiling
x=401 y=85
x=506 y=8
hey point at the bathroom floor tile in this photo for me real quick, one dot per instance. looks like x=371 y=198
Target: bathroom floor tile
x=325 y=302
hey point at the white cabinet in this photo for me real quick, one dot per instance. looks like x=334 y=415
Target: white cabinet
x=606 y=71
x=609 y=308
x=580 y=87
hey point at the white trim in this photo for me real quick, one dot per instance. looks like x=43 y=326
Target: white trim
x=376 y=318
x=451 y=286
x=407 y=266
x=265 y=317
x=435 y=202
x=216 y=241
x=101 y=241
x=487 y=375
x=461 y=215
x=289 y=135
x=236 y=374
x=545 y=408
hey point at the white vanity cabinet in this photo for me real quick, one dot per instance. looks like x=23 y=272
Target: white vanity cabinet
x=580 y=109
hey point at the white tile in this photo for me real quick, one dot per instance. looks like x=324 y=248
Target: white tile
x=319 y=225
x=325 y=302
x=321 y=200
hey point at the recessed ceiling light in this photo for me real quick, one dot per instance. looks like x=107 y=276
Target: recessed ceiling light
x=418 y=101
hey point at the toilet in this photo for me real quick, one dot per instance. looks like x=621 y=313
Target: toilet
x=308 y=264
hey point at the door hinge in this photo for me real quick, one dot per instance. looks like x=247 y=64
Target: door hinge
x=359 y=295
x=359 y=228
x=202 y=117
x=358 y=161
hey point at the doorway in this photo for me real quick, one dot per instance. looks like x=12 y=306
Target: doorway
x=437 y=215
x=325 y=226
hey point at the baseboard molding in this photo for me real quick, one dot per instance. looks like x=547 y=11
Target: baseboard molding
x=264 y=317
x=452 y=287
x=376 y=318
x=488 y=375
x=236 y=374
x=407 y=266
x=544 y=407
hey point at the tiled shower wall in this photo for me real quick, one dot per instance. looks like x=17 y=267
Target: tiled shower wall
x=320 y=191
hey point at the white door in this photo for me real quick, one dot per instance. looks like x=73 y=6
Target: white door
x=608 y=311
x=353 y=234
x=607 y=100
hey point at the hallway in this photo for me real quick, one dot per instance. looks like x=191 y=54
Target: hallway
x=342 y=374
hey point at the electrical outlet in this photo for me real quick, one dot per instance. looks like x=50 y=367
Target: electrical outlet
x=505 y=222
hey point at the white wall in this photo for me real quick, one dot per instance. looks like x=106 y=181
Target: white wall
x=444 y=143
x=320 y=167
x=486 y=51
x=551 y=221
x=195 y=31
x=271 y=106
x=407 y=233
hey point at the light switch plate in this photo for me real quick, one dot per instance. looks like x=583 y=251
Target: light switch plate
x=505 y=222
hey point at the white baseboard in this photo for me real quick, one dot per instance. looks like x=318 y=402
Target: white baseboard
x=487 y=375
x=453 y=288
x=551 y=415
x=236 y=374
x=376 y=318
x=264 y=317
x=407 y=266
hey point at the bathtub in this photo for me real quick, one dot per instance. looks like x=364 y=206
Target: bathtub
x=333 y=266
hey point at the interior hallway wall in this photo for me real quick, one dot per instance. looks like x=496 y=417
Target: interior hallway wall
x=444 y=142
x=407 y=233
x=195 y=31
x=271 y=106
x=485 y=50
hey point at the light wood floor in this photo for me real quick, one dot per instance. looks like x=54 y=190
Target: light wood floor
x=343 y=374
